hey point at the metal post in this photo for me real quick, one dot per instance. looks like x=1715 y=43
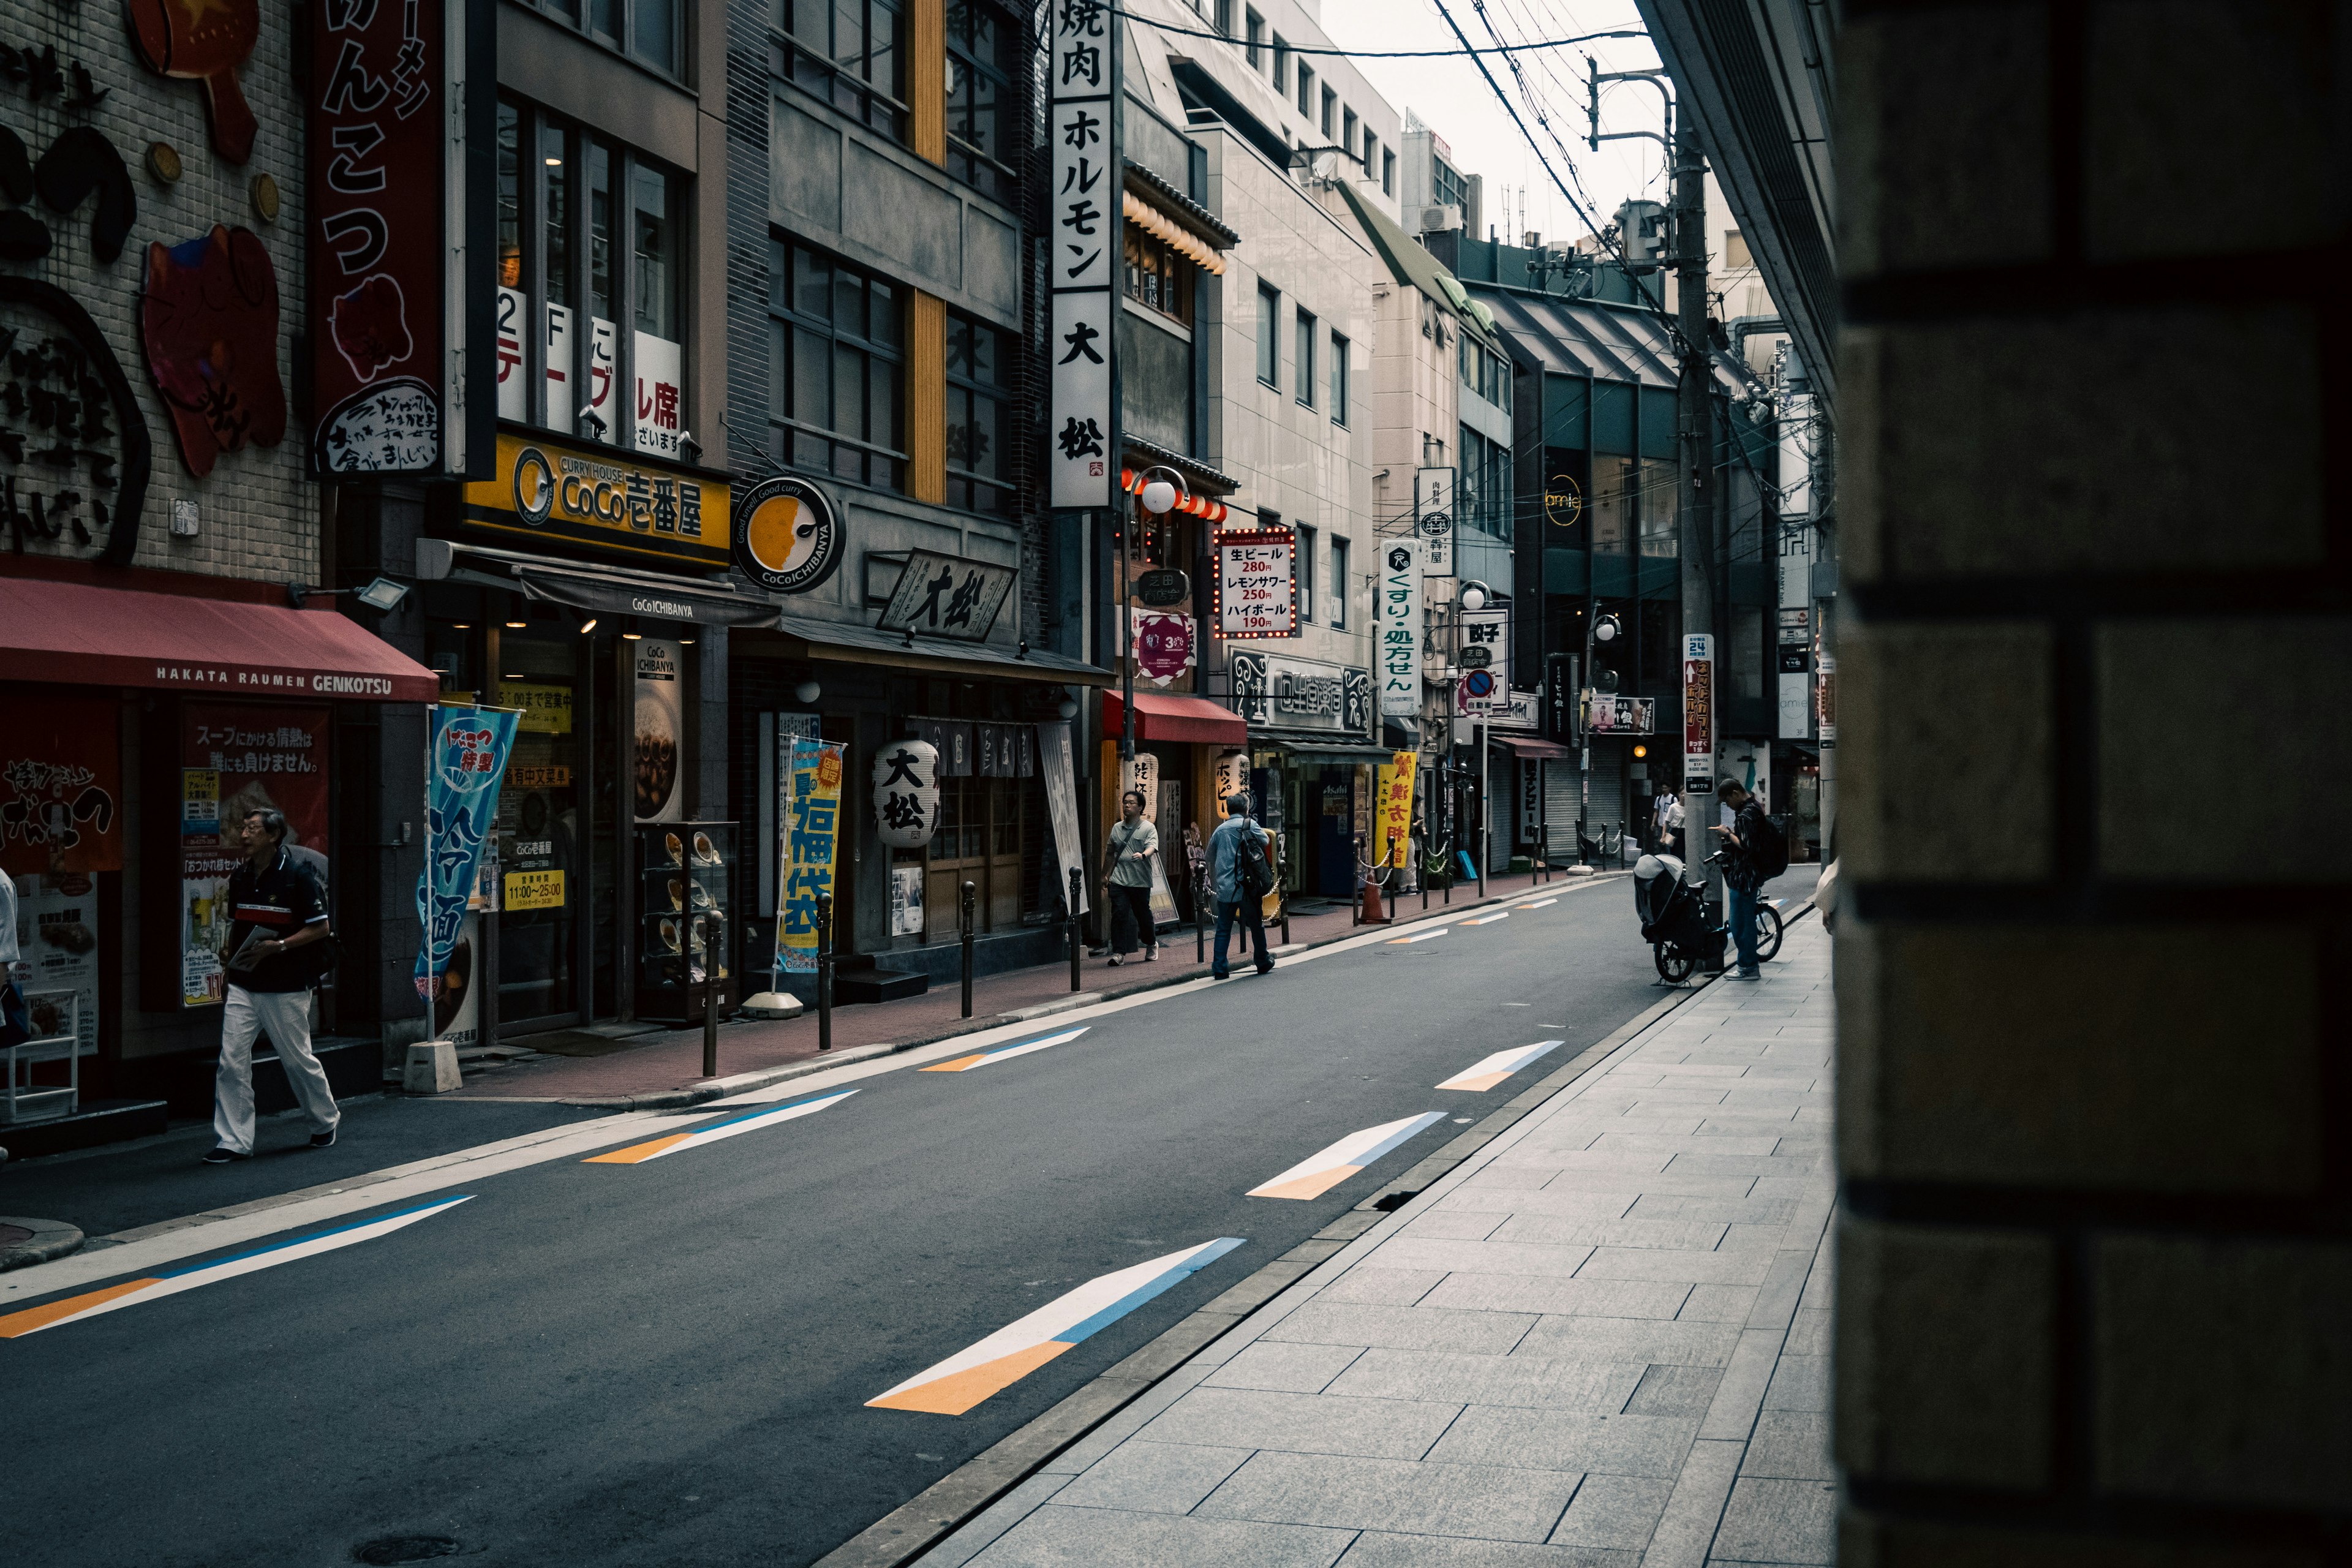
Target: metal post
x=824 y=972
x=1363 y=877
x=1281 y=888
x=1200 y=912
x=965 y=920
x=1486 y=809
x=1078 y=880
x=709 y=996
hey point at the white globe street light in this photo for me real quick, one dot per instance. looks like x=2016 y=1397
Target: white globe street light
x=1159 y=496
x=1473 y=594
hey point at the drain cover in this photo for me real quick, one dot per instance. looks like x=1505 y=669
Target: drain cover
x=404 y=1549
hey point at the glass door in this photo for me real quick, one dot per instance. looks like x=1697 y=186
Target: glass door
x=540 y=833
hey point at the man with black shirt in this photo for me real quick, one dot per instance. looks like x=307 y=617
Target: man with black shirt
x=275 y=908
x=1741 y=880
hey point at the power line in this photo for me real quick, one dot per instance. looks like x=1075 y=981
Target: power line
x=1289 y=48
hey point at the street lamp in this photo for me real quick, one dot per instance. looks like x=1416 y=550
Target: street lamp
x=1597 y=628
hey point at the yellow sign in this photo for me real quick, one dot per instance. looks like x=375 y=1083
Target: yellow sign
x=534 y=890
x=537 y=775
x=546 y=709
x=1394 y=796
x=603 y=497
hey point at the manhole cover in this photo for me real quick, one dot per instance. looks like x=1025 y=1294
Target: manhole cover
x=404 y=1549
x=10 y=1235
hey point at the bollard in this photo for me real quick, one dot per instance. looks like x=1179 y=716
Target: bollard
x=1421 y=849
x=709 y=996
x=1200 y=911
x=966 y=918
x=824 y=972
x=1281 y=892
x=1077 y=942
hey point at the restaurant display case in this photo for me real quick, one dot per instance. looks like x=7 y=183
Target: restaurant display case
x=687 y=895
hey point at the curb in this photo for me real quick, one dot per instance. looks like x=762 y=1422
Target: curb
x=915 y=1526
x=50 y=1238
x=718 y=1089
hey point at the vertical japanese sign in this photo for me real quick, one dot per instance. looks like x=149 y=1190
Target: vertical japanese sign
x=1399 y=592
x=1058 y=768
x=1794 y=647
x=1699 y=713
x=1432 y=519
x=386 y=138
x=1393 y=823
x=811 y=846
x=1085 y=250
x=1488 y=632
x=470 y=746
x=235 y=759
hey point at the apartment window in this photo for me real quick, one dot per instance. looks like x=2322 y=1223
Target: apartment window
x=983 y=54
x=980 y=363
x=1306 y=89
x=1484 y=503
x=555 y=210
x=1330 y=107
x=1655 y=506
x=1281 y=64
x=1484 y=372
x=836 y=348
x=644 y=30
x=1158 y=277
x=1225 y=18
x=1304 y=375
x=1338 y=379
x=1388 y=173
x=1305 y=568
x=1735 y=254
x=1254 y=48
x=656 y=230
x=1338 y=582
x=847 y=52
x=1269 y=342
x=1370 y=143
x=1348 y=131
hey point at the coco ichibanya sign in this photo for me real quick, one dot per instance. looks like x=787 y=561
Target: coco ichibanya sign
x=1084 y=222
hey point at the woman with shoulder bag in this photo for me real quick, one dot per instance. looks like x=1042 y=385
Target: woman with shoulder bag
x=1127 y=881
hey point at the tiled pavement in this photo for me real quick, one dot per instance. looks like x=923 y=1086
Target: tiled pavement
x=1602 y=1341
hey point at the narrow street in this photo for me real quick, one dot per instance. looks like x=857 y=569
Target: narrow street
x=672 y=1360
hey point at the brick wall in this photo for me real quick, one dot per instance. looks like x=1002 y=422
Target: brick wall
x=2095 y=1269
x=257 y=510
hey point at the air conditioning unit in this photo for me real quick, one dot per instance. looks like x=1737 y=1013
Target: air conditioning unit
x=1441 y=219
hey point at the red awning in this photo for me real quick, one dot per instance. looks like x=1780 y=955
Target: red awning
x=1163 y=716
x=89 y=635
x=1528 y=749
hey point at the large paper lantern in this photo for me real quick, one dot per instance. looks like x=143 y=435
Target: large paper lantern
x=907 y=793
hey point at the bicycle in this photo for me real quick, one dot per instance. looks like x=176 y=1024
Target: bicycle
x=1677 y=963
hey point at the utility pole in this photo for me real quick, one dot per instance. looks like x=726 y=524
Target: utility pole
x=1693 y=495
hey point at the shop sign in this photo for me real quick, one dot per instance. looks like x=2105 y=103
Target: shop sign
x=1699 y=713
x=65 y=375
x=787 y=534
x=1082 y=76
x=546 y=709
x=1257 y=585
x=953 y=740
x=1006 y=750
x=1607 y=714
x=1825 y=697
x=907 y=793
x=1393 y=810
x=1164 y=646
x=208 y=319
x=603 y=503
x=1794 y=677
x=947 y=596
x=1514 y=709
x=1563 y=501
x=1432 y=519
x=60 y=786
x=534 y=889
x=1298 y=693
x=462 y=771
x=1399 y=609
x=659 y=366
x=1058 y=767
x=233 y=761
x=1162 y=588
x=660 y=712
x=1485 y=643
x=809 y=847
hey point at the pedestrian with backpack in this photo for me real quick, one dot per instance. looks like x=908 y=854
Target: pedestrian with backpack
x=1242 y=876
x=1753 y=853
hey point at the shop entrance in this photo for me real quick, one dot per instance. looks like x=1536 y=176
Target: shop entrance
x=978 y=841
x=543 y=946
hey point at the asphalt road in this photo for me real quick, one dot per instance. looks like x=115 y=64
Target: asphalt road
x=670 y=1363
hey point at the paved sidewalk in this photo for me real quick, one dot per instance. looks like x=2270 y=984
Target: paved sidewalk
x=1603 y=1341
x=671 y=1059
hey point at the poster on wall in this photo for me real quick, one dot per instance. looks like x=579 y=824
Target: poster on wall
x=907 y=900
x=1060 y=769
x=812 y=845
x=60 y=786
x=660 y=728
x=57 y=961
x=236 y=758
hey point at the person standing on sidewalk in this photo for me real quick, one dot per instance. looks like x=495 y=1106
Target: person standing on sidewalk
x=275 y=909
x=1741 y=879
x=1235 y=837
x=1127 y=881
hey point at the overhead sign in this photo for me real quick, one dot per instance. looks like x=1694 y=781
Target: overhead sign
x=1485 y=643
x=1399 y=609
x=1606 y=714
x=947 y=596
x=787 y=535
x=1432 y=519
x=1162 y=588
x=1162 y=645
x=1293 y=693
x=1085 y=251
x=1699 y=713
x=589 y=497
x=1257 y=585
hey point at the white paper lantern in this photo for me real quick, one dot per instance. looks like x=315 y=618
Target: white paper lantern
x=907 y=793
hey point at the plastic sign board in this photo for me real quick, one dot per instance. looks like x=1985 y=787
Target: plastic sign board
x=1699 y=713
x=1607 y=714
x=1398 y=625
x=1257 y=585
x=1432 y=519
x=1392 y=789
x=1084 y=229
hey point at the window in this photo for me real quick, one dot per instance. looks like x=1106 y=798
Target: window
x=656 y=229
x=1655 y=505
x=1306 y=89
x=1330 y=107
x=983 y=53
x=1305 y=568
x=1303 y=374
x=644 y=30
x=1484 y=504
x=1225 y=18
x=1254 y=48
x=510 y=196
x=1281 y=63
x=1484 y=372
x=1348 y=131
x=1269 y=341
x=1338 y=582
x=847 y=52
x=1338 y=379
x=1735 y=251
x=555 y=211
x=1612 y=503
x=837 y=342
x=981 y=361
x=1158 y=277
x=1388 y=173
x=1370 y=141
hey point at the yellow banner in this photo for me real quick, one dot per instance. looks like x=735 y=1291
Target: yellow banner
x=546 y=709
x=534 y=890
x=1394 y=802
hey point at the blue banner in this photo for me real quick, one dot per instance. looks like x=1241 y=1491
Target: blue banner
x=470 y=746
x=811 y=846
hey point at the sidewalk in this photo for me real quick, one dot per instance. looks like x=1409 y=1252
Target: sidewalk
x=670 y=1060
x=1599 y=1343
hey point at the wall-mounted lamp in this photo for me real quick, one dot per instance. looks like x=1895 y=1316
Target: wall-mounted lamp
x=587 y=626
x=808 y=691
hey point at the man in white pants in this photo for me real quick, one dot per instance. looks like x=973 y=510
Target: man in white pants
x=276 y=908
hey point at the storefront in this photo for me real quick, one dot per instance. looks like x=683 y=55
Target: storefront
x=143 y=715
x=1309 y=724
x=1521 y=790
x=1190 y=753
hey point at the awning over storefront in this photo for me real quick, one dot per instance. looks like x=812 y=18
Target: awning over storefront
x=1526 y=748
x=86 y=634
x=1164 y=716
x=804 y=636
x=1311 y=749
x=597 y=590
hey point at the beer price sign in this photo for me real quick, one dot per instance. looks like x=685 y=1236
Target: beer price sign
x=1257 y=585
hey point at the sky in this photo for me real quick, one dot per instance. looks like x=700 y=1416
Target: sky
x=1454 y=99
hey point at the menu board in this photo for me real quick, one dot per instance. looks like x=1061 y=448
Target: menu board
x=236 y=758
x=1257 y=585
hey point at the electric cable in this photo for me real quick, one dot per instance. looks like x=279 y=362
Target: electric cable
x=1289 y=48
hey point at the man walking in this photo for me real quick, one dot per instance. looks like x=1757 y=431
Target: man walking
x=1236 y=836
x=1127 y=881
x=1742 y=879
x=275 y=908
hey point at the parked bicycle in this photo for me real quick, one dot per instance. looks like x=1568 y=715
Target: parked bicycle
x=1674 y=923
